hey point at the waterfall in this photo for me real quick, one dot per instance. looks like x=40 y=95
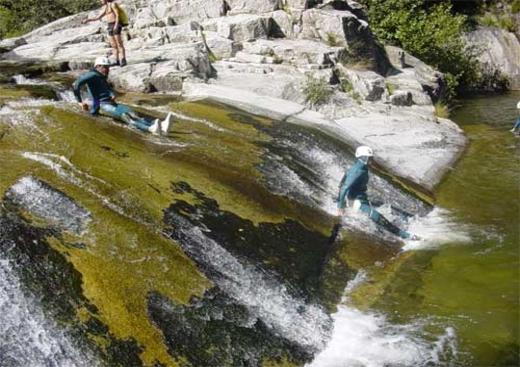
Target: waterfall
x=27 y=337
x=265 y=297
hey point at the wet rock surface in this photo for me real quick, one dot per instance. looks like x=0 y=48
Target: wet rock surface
x=270 y=245
x=56 y=285
x=216 y=331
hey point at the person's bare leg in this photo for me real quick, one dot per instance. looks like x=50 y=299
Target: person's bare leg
x=115 y=49
x=121 y=48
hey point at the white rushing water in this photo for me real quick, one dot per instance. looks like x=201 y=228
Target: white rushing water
x=368 y=339
x=22 y=80
x=49 y=204
x=66 y=170
x=437 y=228
x=267 y=299
x=27 y=337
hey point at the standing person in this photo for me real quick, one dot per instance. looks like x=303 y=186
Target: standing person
x=112 y=13
x=103 y=100
x=353 y=190
x=516 y=127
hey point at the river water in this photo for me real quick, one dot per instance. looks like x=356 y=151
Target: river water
x=471 y=286
x=476 y=286
x=252 y=207
x=455 y=299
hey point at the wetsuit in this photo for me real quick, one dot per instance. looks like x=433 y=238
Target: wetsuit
x=353 y=187
x=103 y=100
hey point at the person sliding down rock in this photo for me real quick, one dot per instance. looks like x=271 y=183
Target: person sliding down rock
x=353 y=191
x=103 y=100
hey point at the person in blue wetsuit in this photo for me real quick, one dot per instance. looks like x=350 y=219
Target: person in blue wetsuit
x=516 y=127
x=103 y=100
x=353 y=192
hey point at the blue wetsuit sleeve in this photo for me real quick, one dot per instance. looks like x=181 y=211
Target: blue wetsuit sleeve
x=348 y=181
x=78 y=84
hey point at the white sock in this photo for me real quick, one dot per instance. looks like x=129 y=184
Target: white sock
x=166 y=123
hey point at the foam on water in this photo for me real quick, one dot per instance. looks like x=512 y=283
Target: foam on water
x=66 y=170
x=49 y=204
x=266 y=298
x=437 y=228
x=67 y=96
x=289 y=182
x=27 y=337
x=194 y=119
x=12 y=115
x=22 y=80
x=368 y=339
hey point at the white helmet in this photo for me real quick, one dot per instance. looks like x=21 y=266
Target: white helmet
x=102 y=61
x=364 y=151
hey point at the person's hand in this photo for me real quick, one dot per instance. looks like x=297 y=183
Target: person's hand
x=342 y=211
x=85 y=21
x=84 y=106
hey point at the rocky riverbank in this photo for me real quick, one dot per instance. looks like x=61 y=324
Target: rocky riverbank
x=267 y=57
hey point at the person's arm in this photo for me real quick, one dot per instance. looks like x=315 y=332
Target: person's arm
x=100 y=15
x=349 y=180
x=342 y=180
x=76 y=87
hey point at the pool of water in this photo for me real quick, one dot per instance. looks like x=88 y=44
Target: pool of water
x=473 y=286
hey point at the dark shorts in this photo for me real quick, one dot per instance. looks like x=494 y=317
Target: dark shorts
x=114 y=31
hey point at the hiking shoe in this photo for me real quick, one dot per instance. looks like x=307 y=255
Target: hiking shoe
x=155 y=128
x=166 y=123
x=122 y=63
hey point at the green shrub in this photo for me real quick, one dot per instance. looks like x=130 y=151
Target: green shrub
x=332 y=39
x=488 y=20
x=390 y=87
x=507 y=23
x=500 y=21
x=430 y=31
x=346 y=85
x=515 y=7
x=21 y=16
x=442 y=110
x=316 y=91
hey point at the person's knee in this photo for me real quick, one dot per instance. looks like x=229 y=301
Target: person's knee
x=108 y=109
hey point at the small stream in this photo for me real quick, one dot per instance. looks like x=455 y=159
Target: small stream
x=221 y=243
